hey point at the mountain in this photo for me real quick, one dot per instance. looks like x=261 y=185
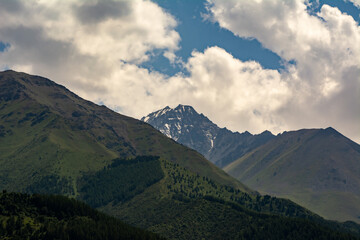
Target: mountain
x=54 y=142
x=47 y=131
x=219 y=145
x=25 y=216
x=317 y=168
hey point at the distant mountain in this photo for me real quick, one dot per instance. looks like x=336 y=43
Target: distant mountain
x=317 y=168
x=54 y=142
x=219 y=145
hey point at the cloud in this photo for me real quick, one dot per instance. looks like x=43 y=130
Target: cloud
x=324 y=82
x=235 y=91
x=117 y=30
x=355 y=2
x=95 y=12
x=95 y=49
x=92 y=47
x=11 y=6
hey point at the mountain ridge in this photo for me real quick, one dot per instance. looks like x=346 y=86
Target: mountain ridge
x=219 y=145
x=267 y=166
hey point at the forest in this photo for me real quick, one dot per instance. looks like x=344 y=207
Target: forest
x=24 y=216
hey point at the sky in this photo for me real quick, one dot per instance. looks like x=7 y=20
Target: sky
x=247 y=65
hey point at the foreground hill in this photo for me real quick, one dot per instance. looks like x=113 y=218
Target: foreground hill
x=49 y=133
x=54 y=142
x=219 y=145
x=56 y=217
x=317 y=168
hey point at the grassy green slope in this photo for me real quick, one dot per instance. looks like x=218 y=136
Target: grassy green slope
x=318 y=168
x=46 y=130
x=32 y=148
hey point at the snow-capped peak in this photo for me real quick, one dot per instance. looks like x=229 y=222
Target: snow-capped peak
x=176 y=113
x=184 y=125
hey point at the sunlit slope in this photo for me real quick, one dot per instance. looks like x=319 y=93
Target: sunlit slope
x=47 y=130
x=317 y=168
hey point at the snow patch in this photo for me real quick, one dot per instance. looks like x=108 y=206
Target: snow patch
x=211 y=139
x=164 y=111
x=166 y=131
x=177 y=125
x=157 y=114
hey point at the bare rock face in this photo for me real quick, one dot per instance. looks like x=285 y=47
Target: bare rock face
x=219 y=145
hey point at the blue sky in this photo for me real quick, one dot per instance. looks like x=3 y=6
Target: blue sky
x=248 y=65
x=198 y=34
x=3 y=46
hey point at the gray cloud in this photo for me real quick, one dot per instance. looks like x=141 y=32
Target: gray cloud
x=32 y=44
x=95 y=12
x=11 y=6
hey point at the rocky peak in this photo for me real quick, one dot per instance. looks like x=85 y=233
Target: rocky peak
x=186 y=126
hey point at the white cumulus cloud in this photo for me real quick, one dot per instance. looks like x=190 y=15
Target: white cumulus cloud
x=93 y=47
x=355 y=2
x=235 y=92
x=324 y=82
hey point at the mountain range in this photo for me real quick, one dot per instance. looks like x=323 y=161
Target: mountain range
x=219 y=145
x=54 y=142
x=317 y=168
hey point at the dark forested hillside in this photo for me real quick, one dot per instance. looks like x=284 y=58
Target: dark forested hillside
x=36 y=216
x=186 y=205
